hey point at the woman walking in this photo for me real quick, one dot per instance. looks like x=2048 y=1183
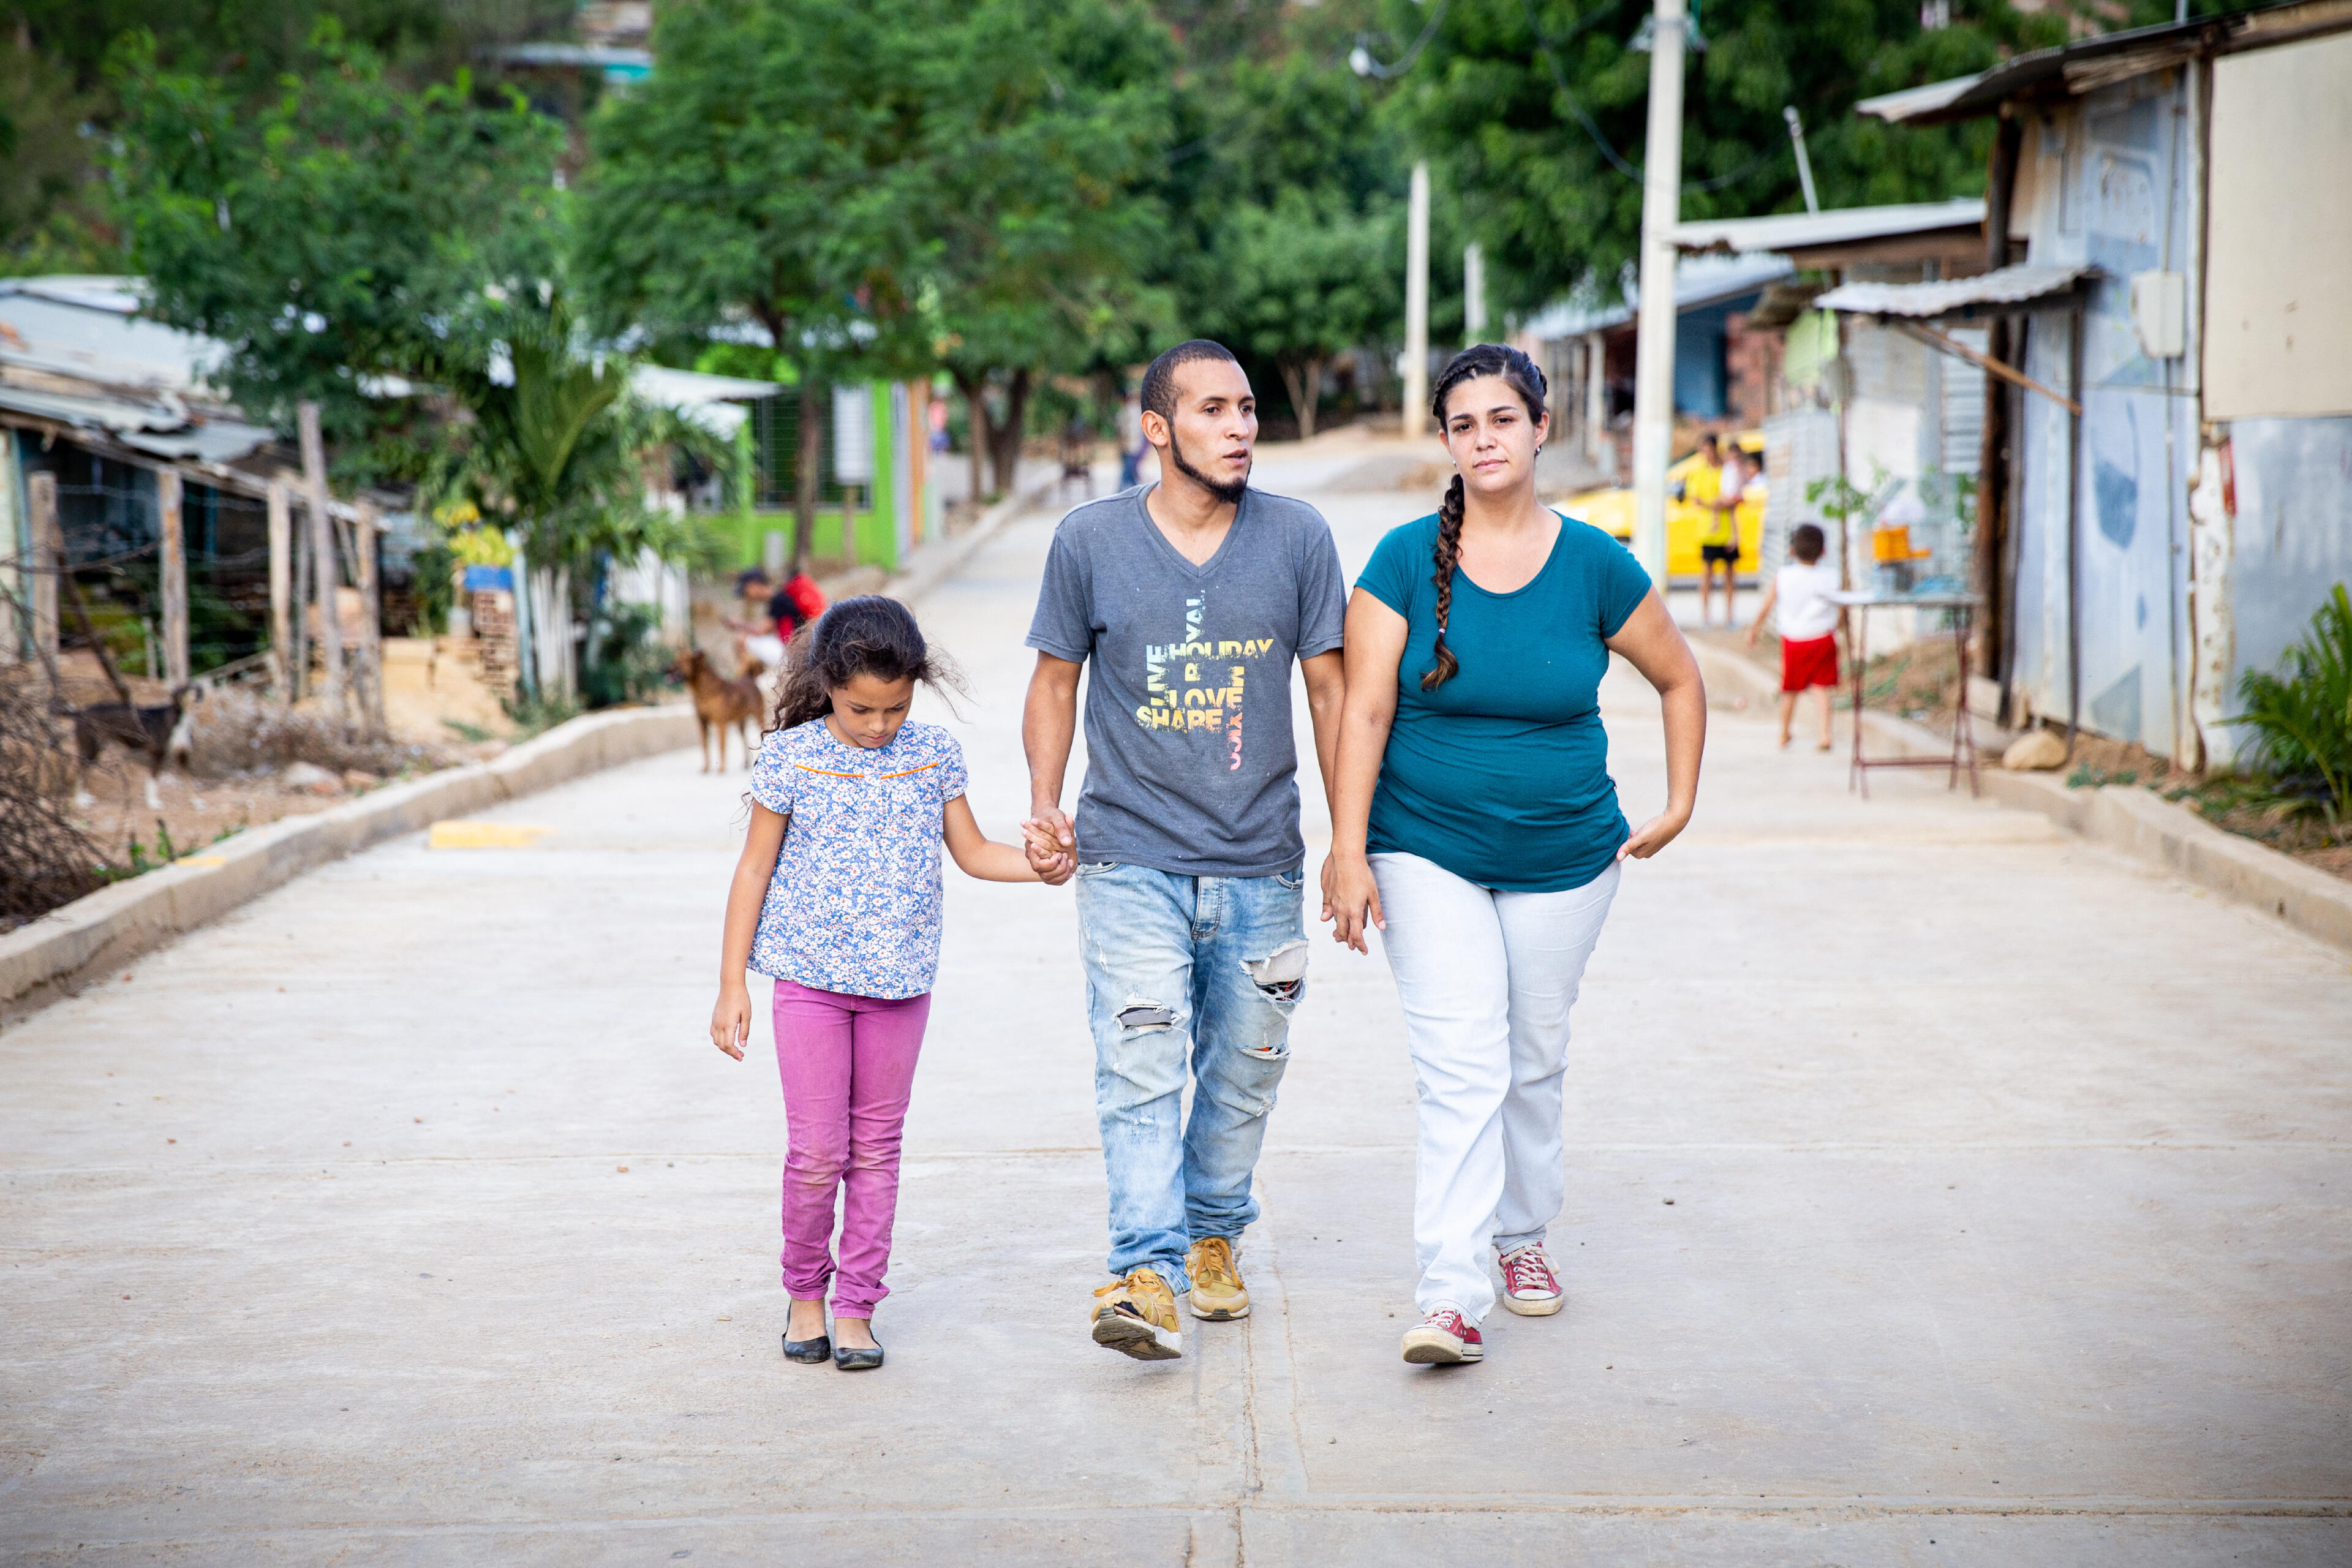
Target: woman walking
x=1475 y=826
x=836 y=896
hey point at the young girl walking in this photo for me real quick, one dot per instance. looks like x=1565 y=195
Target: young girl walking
x=836 y=898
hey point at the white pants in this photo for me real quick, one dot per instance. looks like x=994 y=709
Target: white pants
x=1487 y=980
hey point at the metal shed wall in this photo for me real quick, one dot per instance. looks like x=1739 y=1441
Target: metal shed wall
x=2111 y=190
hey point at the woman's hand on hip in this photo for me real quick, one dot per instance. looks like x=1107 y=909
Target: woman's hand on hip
x=730 y=1020
x=1351 y=901
x=1653 y=835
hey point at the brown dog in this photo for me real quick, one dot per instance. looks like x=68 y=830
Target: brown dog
x=719 y=703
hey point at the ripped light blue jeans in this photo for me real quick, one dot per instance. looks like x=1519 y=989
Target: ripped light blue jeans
x=1194 y=974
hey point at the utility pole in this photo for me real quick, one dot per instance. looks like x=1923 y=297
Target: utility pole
x=370 y=649
x=1804 y=164
x=1654 y=352
x=322 y=558
x=1416 y=304
x=1473 y=295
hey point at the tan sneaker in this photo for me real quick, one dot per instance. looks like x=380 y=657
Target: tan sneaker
x=1217 y=1292
x=1136 y=1315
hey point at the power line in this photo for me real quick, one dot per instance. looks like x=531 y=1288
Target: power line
x=1360 y=60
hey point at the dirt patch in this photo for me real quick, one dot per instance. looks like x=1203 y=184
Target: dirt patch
x=247 y=763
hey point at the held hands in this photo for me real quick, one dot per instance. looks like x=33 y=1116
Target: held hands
x=1051 y=844
x=1656 y=833
x=730 y=1020
x=1351 y=901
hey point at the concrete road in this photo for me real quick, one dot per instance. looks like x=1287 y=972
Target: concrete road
x=1942 y=1190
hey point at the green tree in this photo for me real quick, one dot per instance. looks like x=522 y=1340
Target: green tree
x=45 y=224
x=326 y=237
x=1534 y=109
x=57 y=107
x=764 y=174
x=1044 y=123
x=1302 y=283
x=555 y=449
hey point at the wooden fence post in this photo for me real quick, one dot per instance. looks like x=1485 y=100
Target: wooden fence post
x=371 y=650
x=169 y=502
x=322 y=557
x=48 y=560
x=281 y=591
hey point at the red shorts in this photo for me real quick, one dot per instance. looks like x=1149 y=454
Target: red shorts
x=1812 y=662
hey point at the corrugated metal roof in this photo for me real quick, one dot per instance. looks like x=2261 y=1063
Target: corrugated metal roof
x=691 y=388
x=2075 y=67
x=1801 y=231
x=163 y=428
x=1914 y=103
x=1699 y=281
x=87 y=336
x=571 y=54
x=96 y=291
x=213 y=442
x=2008 y=286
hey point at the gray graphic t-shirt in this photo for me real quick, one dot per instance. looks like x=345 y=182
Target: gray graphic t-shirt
x=1191 y=766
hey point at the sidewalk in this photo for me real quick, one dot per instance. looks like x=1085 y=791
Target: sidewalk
x=1942 y=1190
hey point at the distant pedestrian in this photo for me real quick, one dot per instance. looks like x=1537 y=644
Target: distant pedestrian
x=1807 y=621
x=836 y=898
x=1714 y=488
x=1475 y=825
x=758 y=638
x=796 y=604
x=1131 y=444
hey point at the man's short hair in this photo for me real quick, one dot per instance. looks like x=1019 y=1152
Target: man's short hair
x=1805 y=543
x=1709 y=442
x=1159 y=381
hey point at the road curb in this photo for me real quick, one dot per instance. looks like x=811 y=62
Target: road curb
x=2122 y=816
x=942 y=561
x=67 y=949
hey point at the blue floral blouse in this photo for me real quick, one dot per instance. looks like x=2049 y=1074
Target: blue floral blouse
x=854 y=905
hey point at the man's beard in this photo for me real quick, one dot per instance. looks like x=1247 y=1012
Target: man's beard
x=1227 y=492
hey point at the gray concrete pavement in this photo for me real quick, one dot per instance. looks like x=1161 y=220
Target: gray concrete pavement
x=1942 y=1190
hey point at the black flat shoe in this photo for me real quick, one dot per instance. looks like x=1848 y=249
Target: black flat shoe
x=811 y=1352
x=848 y=1360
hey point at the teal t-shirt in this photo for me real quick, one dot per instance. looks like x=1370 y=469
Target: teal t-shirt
x=1501 y=774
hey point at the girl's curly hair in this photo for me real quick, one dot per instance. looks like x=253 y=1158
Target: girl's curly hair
x=869 y=635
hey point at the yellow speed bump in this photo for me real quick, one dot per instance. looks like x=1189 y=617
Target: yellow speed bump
x=454 y=835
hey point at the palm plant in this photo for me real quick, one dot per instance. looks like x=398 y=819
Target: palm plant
x=557 y=446
x=2302 y=714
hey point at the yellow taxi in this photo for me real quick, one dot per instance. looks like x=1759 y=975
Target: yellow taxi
x=1612 y=511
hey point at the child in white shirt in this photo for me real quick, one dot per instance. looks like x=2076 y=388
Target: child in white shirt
x=1807 y=623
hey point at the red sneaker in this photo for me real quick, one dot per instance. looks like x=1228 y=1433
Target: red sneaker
x=1530 y=1289
x=1445 y=1336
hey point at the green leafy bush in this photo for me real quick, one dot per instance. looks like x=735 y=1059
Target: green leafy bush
x=2302 y=715
x=629 y=662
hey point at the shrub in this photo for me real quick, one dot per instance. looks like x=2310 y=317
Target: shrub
x=2302 y=715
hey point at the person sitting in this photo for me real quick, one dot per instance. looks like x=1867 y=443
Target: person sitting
x=757 y=638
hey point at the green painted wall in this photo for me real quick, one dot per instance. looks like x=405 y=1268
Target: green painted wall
x=877 y=529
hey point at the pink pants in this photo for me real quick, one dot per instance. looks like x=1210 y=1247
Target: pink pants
x=848 y=1066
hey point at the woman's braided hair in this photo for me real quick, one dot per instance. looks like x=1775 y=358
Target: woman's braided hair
x=1484 y=359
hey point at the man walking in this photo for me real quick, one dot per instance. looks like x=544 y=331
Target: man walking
x=1192 y=596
